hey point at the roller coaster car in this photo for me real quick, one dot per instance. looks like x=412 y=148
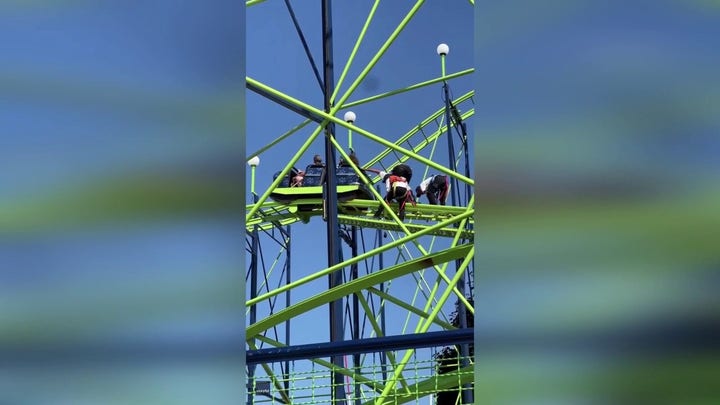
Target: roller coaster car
x=349 y=187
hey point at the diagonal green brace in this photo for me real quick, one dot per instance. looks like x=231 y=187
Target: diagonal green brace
x=410 y=308
x=356 y=285
x=409 y=88
x=357 y=259
x=360 y=131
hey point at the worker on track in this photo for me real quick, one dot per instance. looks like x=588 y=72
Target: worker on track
x=398 y=190
x=402 y=170
x=436 y=188
x=353 y=158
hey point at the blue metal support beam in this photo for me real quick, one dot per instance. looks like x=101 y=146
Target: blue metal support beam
x=337 y=333
x=371 y=345
x=454 y=196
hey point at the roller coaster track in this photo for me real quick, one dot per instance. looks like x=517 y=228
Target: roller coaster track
x=273 y=214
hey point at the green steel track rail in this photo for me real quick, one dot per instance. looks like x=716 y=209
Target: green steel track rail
x=359 y=284
x=273 y=215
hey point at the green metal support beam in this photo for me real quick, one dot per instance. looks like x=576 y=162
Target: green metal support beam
x=356 y=285
x=358 y=130
x=424 y=327
x=358 y=258
x=372 y=384
x=409 y=88
x=409 y=307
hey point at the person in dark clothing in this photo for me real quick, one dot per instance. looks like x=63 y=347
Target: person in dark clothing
x=354 y=159
x=398 y=190
x=317 y=161
x=402 y=170
x=436 y=188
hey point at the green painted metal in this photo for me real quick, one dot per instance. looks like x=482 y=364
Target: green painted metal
x=353 y=53
x=409 y=88
x=284 y=171
x=434 y=143
x=409 y=307
x=358 y=258
x=423 y=388
x=391 y=226
x=421 y=208
x=366 y=181
x=372 y=384
x=424 y=327
x=464 y=375
x=280 y=138
x=413 y=131
x=440 y=271
x=252 y=180
x=439 y=221
x=378 y=55
x=272 y=376
x=378 y=332
x=409 y=153
x=330 y=117
x=404 y=229
x=253 y=2
x=436 y=286
x=400 y=223
x=354 y=286
x=422 y=144
x=302 y=195
x=348 y=93
x=362 y=211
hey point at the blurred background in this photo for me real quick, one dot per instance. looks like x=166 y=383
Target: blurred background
x=598 y=197
x=121 y=202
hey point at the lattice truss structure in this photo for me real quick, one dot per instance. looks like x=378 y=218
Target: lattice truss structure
x=344 y=306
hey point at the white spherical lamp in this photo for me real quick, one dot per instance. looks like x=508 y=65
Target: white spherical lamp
x=443 y=49
x=350 y=116
x=254 y=161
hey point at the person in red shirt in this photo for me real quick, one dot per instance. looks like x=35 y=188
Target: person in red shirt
x=398 y=190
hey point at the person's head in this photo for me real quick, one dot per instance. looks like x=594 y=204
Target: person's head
x=418 y=191
x=354 y=159
x=317 y=160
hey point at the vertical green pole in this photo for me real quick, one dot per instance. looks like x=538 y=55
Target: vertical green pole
x=443 y=50
x=350 y=119
x=252 y=179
